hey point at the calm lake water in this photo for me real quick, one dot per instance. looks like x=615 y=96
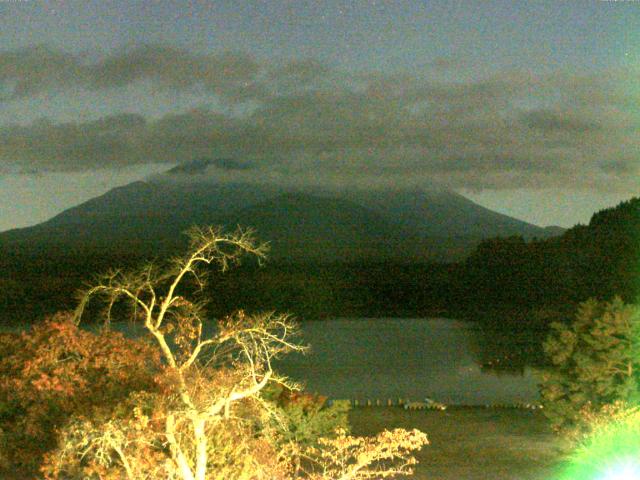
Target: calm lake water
x=391 y=358
x=407 y=358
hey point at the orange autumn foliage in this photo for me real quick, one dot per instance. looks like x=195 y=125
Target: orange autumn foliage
x=55 y=371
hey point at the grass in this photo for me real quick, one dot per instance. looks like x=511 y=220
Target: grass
x=469 y=443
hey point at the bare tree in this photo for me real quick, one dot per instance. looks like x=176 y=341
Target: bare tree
x=203 y=424
x=247 y=343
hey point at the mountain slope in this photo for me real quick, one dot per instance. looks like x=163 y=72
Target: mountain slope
x=146 y=212
x=442 y=213
x=302 y=225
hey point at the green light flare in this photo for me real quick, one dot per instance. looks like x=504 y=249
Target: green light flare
x=610 y=453
x=628 y=470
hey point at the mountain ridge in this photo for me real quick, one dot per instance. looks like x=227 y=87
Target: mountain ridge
x=302 y=224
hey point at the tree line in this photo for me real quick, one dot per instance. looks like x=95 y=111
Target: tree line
x=601 y=260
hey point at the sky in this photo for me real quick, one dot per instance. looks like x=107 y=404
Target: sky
x=529 y=108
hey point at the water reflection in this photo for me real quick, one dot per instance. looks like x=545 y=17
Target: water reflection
x=506 y=350
x=451 y=361
x=414 y=358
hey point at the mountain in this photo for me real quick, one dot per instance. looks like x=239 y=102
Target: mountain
x=310 y=224
x=442 y=213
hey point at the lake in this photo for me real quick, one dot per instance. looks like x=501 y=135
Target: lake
x=395 y=358
x=391 y=358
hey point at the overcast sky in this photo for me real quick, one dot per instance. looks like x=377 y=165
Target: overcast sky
x=529 y=108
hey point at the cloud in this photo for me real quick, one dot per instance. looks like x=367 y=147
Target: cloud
x=551 y=121
x=25 y=72
x=45 y=145
x=28 y=71
x=200 y=166
x=305 y=121
x=621 y=168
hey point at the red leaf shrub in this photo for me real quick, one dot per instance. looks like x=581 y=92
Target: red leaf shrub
x=57 y=370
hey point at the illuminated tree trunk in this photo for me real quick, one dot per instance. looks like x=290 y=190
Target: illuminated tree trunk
x=201 y=448
x=177 y=454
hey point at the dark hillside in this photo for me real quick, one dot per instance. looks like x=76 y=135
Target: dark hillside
x=601 y=259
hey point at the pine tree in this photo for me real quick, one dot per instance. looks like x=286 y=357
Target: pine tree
x=593 y=360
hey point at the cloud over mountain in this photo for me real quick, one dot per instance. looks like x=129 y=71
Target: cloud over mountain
x=304 y=120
